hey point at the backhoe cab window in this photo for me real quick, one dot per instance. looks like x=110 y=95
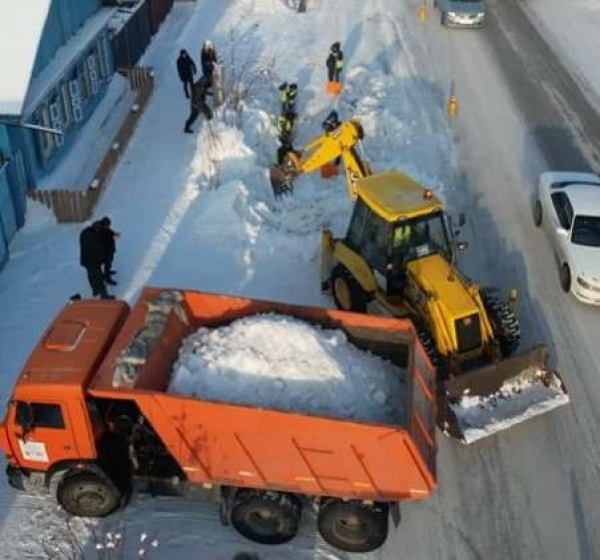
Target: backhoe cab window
x=420 y=237
x=375 y=248
x=39 y=415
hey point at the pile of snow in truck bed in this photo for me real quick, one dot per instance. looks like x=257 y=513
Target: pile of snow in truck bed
x=516 y=401
x=279 y=362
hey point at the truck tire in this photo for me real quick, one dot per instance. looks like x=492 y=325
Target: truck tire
x=353 y=526
x=266 y=517
x=347 y=292
x=86 y=494
x=504 y=323
x=436 y=360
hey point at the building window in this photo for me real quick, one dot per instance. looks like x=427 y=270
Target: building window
x=55 y=108
x=91 y=62
x=66 y=105
x=46 y=140
x=105 y=57
x=84 y=86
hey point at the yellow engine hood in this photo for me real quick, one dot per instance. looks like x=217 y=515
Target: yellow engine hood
x=435 y=276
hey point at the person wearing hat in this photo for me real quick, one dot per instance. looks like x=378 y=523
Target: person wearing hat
x=288 y=97
x=208 y=59
x=108 y=240
x=91 y=257
x=335 y=62
x=186 y=68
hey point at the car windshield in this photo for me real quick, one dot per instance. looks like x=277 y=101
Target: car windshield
x=420 y=237
x=586 y=231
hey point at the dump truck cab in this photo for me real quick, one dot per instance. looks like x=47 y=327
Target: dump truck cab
x=50 y=423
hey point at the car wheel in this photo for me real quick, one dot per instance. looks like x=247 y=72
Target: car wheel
x=537 y=213
x=85 y=494
x=347 y=292
x=565 y=278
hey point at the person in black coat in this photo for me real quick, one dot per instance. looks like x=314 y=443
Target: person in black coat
x=91 y=257
x=335 y=62
x=186 y=68
x=208 y=59
x=198 y=104
x=108 y=239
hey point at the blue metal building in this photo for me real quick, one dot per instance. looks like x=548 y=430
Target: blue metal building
x=56 y=65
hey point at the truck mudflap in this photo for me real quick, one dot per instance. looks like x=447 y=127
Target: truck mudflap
x=492 y=398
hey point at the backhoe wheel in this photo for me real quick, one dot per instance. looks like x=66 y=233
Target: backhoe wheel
x=266 y=517
x=565 y=278
x=428 y=344
x=353 y=526
x=504 y=324
x=537 y=213
x=347 y=292
x=86 y=494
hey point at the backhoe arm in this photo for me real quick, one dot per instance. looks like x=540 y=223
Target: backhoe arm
x=325 y=148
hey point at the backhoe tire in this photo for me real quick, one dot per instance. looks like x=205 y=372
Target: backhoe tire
x=266 y=517
x=565 y=278
x=347 y=292
x=537 y=213
x=504 y=324
x=428 y=344
x=87 y=494
x=353 y=526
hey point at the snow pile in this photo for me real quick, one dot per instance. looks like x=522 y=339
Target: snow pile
x=516 y=401
x=279 y=362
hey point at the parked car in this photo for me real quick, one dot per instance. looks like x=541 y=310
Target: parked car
x=568 y=206
x=461 y=13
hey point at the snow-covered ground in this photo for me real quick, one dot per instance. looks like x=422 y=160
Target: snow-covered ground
x=571 y=28
x=197 y=212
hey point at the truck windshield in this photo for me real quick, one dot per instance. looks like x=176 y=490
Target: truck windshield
x=420 y=237
x=586 y=231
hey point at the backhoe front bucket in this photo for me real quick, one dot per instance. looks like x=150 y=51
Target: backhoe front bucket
x=486 y=400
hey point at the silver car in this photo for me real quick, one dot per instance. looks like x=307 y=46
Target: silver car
x=461 y=13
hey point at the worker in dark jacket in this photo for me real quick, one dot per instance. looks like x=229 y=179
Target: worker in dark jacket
x=208 y=59
x=186 y=68
x=335 y=62
x=198 y=104
x=108 y=239
x=91 y=257
x=285 y=127
x=288 y=93
x=331 y=122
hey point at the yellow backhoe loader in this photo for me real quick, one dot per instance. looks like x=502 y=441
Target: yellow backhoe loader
x=399 y=258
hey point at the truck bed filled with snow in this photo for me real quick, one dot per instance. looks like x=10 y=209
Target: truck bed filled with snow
x=517 y=400
x=279 y=362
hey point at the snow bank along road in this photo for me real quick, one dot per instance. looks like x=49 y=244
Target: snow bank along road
x=529 y=493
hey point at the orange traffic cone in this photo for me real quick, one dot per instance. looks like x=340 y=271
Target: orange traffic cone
x=333 y=88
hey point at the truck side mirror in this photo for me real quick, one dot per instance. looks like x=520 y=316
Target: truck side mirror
x=24 y=416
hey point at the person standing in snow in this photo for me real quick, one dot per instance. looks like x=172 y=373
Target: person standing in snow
x=285 y=127
x=198 y=104
x=91 y=257
x=109 y=247
x=335 y=62
x=208 y=59
x=186 y=68
x=288 y=97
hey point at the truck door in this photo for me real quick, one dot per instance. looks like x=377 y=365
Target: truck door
x=40 y=433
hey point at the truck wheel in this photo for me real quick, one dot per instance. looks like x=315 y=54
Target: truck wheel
x=266 y=517
x=86 y=494
x=347 y=292
x=353 y=526
x=504 y=324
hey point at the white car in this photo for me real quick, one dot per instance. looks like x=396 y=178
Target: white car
x=568 y=207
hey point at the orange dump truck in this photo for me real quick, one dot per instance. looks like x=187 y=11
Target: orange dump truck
x=90 y=417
